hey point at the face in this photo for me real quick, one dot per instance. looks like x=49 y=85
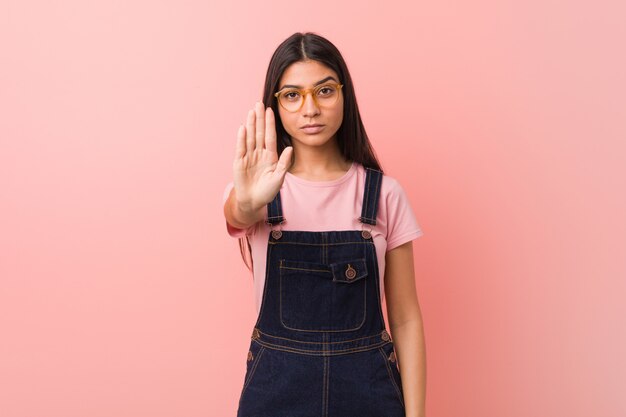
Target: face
x=306 y=74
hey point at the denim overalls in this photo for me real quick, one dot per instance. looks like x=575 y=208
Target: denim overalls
x=319 y=346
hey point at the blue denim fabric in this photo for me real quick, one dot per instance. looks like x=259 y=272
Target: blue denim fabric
x=319 y=346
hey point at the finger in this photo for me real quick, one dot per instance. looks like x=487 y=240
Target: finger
x=270 y=130
x=240 y=147
x=284 y=162
x=250 y=132
x=260 y=124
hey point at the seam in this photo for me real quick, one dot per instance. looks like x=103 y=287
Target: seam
x=367 y=242
x=391 y=377
x=253 y=370
x=279 y=204
x=367 y=192
x=303 y=269
x=379 y=179
x=395 y=243
x=377 y=335
x=320 y=352
x=363 y=282
x=326 y=383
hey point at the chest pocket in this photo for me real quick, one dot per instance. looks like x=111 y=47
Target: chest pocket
x=323 y=297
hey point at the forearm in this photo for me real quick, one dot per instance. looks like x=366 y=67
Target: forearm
x=411 y=355
x=240 y=215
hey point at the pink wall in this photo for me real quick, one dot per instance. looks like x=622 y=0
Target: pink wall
x=121 y=293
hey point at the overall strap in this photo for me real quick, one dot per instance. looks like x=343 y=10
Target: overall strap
x=275 y=211
x=373 y=179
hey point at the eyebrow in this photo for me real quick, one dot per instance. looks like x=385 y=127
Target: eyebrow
x=317 y=83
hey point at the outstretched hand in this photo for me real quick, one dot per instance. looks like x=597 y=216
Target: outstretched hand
x=257 y=170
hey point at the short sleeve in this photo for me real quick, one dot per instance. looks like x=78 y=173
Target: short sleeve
x=402 y=225
x=232 y=230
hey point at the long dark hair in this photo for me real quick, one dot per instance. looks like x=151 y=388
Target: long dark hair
x=352 y=139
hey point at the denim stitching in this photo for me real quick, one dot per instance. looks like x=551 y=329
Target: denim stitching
x=377 y=335
x=391 y=377
x=379 y=179
x=326 y=383
x=366 y=204
x=356 y=261
x=369 y=196
x=367 y=193
x=365 y=214
x=321 y=352
x=253 y=370
x=302 y=269
x=279 y=205
x=324 y=380
x=280 y=295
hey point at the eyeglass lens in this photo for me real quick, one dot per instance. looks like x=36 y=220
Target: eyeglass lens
x=325 y=95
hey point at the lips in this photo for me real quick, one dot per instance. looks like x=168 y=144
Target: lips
x=311 y=129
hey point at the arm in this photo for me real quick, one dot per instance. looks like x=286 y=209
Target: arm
x=406 y=327
x=240 y=215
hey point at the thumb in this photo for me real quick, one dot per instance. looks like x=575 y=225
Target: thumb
x=284 y=162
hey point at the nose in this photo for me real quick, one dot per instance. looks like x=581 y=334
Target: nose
x=309 y=107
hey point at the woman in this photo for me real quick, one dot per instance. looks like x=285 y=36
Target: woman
x=330 y=234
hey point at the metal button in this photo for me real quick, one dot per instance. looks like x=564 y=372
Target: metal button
x=385 y=336
x=250 y=357
x=366 y=234
x=392 y=357
x=276 y=234
x=350 y=272
x=255 y=333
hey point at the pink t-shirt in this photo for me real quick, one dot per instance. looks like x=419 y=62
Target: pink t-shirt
x=333 y=205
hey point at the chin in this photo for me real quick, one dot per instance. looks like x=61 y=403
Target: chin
x=312 y=139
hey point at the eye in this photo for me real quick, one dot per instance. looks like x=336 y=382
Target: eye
x=291 y=95
x=326 y=90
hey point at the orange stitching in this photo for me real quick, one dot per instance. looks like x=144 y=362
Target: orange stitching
x=376 y=336
x=368 y=177
x=361 y=264
x=304 y=269
x=391 y=377
x=280 y=297
x=320 y=352
x=253 y=370
x=326 y=384
x=362 y=242
x=379 y=180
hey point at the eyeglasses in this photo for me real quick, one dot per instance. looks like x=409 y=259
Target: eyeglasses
x=292 y=99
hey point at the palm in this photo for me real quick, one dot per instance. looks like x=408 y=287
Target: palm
x=258 y=172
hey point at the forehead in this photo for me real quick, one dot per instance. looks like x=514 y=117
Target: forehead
x=306 y=73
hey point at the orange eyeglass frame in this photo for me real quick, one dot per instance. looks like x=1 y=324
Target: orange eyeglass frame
x=304 y=91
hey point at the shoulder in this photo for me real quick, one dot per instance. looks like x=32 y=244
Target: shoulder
x=389 y=187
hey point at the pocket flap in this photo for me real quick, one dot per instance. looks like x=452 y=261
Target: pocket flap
x=349 y=271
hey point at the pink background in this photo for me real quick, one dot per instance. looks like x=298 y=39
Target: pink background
x=121 y=293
